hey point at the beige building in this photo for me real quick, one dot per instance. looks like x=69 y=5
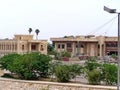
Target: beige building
x=22 y=44
x=86 y=45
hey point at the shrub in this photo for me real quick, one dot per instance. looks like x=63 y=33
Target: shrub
x=64 y=73
x=109 y=72
x=65 y=54
x=27 y=66
x=94 y=76
x=92 y=71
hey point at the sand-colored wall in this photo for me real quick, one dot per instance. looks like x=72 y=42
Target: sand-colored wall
x=10 y=84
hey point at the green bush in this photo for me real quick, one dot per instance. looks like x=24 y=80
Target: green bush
x=94 y=76
x=58 y=56
x=91 y=64
x=65 y=54
x=52 y=68
x=27 y=66
x=109 y=72
x=100 y=72
x=64 y=73
x=92 y=71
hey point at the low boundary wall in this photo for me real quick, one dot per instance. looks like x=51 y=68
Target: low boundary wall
x=12 y=84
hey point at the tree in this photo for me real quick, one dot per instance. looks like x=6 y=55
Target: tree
x=37 y=31
x=27 y=66
x=30 y=30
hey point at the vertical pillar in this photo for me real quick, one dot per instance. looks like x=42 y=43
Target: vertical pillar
x=100 y=50
x=118 y=76
x=18 y=47
x=73 y=49
x=78 y=48
x=39 y=50
x=29 y=47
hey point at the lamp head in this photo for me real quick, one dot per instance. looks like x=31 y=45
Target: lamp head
x=109 y=10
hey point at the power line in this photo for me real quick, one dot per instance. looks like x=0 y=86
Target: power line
x=108 y=29
x=96 y=30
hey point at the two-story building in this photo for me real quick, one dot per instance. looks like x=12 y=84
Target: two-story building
x=86 y=45
x=22 y=44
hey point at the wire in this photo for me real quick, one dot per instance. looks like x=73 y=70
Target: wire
x=108 y=29
x=95 y=30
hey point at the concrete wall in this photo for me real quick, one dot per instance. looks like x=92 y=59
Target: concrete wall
x=10 y=84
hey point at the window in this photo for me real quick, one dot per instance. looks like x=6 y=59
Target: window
x=69 y=45
x=33 y=47
x=63 y=46
x=22 y=47
x=98 y=46
x=82 y=46
x=41 y=48
x=58 y=45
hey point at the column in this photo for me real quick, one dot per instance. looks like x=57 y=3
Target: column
x=29 y=47
x=18 y=47
x=78 y=51
x=39 y=48
x=73 y=49
x=100 y=50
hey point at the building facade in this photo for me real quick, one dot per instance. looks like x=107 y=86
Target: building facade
x=22 y=44
x=86 y=45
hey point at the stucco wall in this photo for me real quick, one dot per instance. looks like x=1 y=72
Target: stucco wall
x=10 y=84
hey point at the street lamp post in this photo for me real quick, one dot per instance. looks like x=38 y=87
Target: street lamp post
x=118 y=73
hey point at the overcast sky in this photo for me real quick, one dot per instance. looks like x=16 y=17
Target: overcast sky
x=57 y=18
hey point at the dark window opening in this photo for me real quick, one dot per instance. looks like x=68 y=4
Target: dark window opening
x=58 y=45
x=33 y=47
x=22 y=47
x=41 y=48
x=63 y=46
x=69 y=45
x=82 y=46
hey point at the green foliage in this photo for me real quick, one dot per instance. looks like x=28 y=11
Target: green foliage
x=97 y=72
x=27 y=66
x=58 y=56
x=114 y=56
x=91 y=64
x=7 y=60
x=50 y=49
x=94 y=76
x=109 y=72
x=93 y=71
x=65 y=54
x=75 y=69
x=64 y=73
x=53 y=66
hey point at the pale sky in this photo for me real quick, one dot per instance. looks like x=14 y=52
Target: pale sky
x=57 y=18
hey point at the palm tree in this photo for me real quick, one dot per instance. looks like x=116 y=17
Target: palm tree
x=30 y=30
x=37 y=32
